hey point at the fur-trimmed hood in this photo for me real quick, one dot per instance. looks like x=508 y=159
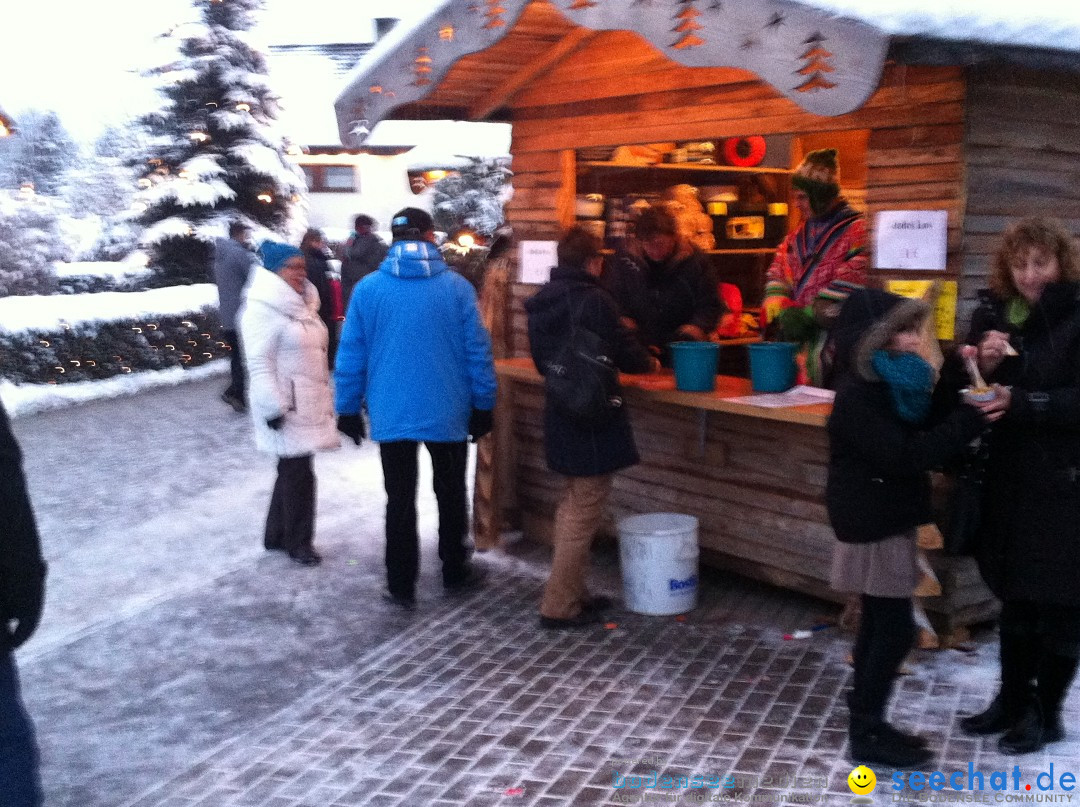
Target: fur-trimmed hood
x=867 y=321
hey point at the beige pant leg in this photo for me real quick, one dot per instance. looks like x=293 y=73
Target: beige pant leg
x=577 y=518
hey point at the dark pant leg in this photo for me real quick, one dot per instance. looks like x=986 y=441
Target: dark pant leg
x=399 y=464
x=891 y=634
x=19 y=780
x=237 y=382
x=1059 y=657
x=448 y=464
x=1020 y=650
x=290 y=524
x=860 y=656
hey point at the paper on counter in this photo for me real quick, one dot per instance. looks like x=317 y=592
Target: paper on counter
x=801 y=395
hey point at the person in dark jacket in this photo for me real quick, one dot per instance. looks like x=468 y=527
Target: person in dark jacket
x=1025 y=335
x=316 y=253
x=882 y=447
x=664 y=287
x=586 y=454
x=363 y=253
x=22 y=595
x=232 y=265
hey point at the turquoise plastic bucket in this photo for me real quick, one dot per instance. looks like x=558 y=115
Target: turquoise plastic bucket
x=695 y=365
x=772 y=366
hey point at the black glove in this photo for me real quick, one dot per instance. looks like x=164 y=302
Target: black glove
x=352 y=426
x=480 y=422
x=276 y=423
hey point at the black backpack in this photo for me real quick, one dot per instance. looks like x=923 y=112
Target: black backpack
x=581 y=381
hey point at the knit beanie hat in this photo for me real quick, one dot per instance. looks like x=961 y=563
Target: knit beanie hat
x=818 y=175
x=410 y=224
x=274 y=254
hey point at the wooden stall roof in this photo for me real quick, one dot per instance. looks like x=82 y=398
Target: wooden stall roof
x=466 y=60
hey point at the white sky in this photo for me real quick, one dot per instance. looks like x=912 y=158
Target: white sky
x=80 y=57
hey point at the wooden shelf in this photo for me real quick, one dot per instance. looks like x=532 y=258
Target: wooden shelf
x=717 y=169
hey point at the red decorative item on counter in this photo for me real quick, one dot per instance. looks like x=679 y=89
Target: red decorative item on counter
x=744 y=152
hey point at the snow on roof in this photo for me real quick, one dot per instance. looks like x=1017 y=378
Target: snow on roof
x=308 y=80
x=1049 y=24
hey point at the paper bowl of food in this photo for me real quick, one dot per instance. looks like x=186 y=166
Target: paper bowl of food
x=978 y=394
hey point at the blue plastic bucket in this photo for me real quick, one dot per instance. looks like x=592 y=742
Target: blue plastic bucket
x=772 y=366
x=695 y=365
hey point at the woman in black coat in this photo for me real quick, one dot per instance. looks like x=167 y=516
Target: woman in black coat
x=1026 y=337
x=316 y=260
x=587 y=454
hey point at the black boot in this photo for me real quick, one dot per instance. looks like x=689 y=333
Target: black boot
x=991 y=720
x=897 y=735
x=874 y=741
x=1026 y=735
x=1056 y=673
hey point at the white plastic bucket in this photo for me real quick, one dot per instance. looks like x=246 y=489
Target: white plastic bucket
x=658 y=553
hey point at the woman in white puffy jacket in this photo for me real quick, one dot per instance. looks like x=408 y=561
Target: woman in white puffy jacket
x=285 y=344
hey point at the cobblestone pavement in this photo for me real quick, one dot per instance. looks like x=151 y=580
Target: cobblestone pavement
x=180 y=665
x=472 y=705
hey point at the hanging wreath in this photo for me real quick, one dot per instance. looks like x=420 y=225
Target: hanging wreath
x=744 y=151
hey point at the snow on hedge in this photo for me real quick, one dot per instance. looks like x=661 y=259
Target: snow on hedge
x=25 y=399
x=51 y=313
x=99 y=269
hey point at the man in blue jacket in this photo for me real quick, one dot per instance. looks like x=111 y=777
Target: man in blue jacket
x=414 y=353
x=22 y=592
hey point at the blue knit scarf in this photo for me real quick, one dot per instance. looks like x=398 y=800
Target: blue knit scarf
x=910 y=380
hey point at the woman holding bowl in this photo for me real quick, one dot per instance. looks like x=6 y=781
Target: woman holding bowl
x=1025 y=338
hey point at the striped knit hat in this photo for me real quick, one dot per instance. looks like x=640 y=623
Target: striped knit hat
x=818 y=175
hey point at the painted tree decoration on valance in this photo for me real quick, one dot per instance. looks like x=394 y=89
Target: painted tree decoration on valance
x=825 y=64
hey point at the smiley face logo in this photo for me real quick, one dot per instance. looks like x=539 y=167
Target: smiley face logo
x=862 y=781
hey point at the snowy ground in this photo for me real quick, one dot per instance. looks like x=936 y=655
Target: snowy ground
x=179 y=664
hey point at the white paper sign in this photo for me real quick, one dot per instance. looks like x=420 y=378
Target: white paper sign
x=536 y=258
x=911 y=239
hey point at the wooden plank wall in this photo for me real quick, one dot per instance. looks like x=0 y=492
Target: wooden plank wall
x=619 y=90
x=756 y=486
x=1022 y=159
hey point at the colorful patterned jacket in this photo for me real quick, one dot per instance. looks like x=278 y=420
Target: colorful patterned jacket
x=822 y=258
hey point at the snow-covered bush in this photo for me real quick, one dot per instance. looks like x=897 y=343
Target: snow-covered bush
x=31 y=239
x=94 y=350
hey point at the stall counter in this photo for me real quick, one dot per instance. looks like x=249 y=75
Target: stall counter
x=754 y=477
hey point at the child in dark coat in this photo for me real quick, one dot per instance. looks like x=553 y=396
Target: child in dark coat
x=882 y=448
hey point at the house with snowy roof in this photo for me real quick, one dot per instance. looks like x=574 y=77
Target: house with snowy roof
x=395 y=165
x=967 y=109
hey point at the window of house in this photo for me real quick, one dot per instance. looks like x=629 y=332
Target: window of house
x=331 y=178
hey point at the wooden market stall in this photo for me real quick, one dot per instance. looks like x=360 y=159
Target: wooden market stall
x=616 y=97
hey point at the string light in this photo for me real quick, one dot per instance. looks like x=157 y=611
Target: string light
x=243 y=107
x=265 y=197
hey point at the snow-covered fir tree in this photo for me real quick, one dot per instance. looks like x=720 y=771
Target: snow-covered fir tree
x=39 y=156
x=473 y=196
x=215 y=154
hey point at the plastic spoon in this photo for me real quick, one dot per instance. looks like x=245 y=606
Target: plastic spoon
x=973 y=371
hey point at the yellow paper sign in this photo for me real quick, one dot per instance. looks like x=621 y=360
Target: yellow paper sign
x=940 y=293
